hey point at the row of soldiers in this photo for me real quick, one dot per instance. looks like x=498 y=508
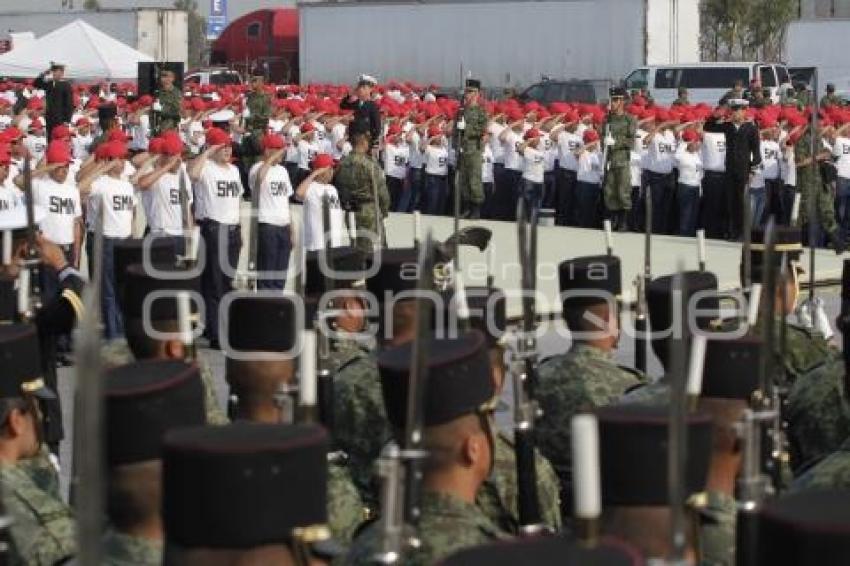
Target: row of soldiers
x=423 y=399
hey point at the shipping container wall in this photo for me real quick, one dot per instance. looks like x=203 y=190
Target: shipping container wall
x=502 y=43
x=163 y=34
x=672 y=32
x=823 y=44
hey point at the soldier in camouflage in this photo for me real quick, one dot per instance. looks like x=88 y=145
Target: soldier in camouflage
x=620 y=130
x=497 y=497
x=457 y=415
x=42 y=527
x=586 y=376
x=143 y=401
x=833 y=472
x=168 y=103
x=811 y=185
x=258 y=110
x=830 y=98
x=257 y=369
x=470 y=126
x=362 y=188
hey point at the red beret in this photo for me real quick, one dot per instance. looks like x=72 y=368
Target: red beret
x=273 y=141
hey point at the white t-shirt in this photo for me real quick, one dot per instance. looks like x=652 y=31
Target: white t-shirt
x=80 y=146
x=62 y=203
x=513 y=159
x=713 y=152
x=635 y=169
x=689 y=165
x=313 y=233
x=306 y=152
x=219 y=190
x=10 y=196
x=496 y=148
x=162 y=203
x=770 y=155
x=274 y=194
x=396 y=158
x=115 y=199
x=487 y=165
x=275 y=125
x=196 y=137
x=37 y=146
x=534 y=161
x=336 y=137
x=662 y=149
x=589 y=167
x=291 y=146
x=568 y=145
x=416 y=157
x=140 y=133
x=436 y=160
x=841 y=153
x=550 y=153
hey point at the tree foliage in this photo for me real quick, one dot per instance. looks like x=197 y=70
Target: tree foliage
x=197 y=31
x=744 y=29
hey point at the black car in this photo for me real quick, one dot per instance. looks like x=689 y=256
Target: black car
x=584 y=91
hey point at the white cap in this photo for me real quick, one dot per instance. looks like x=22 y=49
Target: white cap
x=225 y=115
x=16 y=218
x=737 y=103
x=367 y=79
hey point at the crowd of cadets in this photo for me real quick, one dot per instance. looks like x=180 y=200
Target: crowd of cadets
x=282 y=494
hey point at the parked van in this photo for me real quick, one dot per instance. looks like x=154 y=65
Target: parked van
x=706 y=82
x=217 y=76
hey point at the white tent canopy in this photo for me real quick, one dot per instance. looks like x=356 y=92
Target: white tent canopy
x=88 y=53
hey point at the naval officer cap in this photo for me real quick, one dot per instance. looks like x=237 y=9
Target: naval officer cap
x=366 y=80
x=146 y=399
x=737 y=103
x=459 y=379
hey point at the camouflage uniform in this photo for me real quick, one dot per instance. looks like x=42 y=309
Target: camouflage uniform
x=448 y=525
x=361 y=428
x=470 y=144
x=120 y=549
x=345 y=508
x=169 y=117
x=717 y=529
x=817 y=413
x=584 y=378
x=832 y=473
x=497 y=497
x=43 y=529
x=42 y=471
x=618 y=179
x=256 y=124
x=803 y=350
x=656 y=393
x=117 y=353
x=830 y=100
x=354 y=179
x=809 y=183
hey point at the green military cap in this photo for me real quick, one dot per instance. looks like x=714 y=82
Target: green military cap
x=731 y=368
x=633 y=454
x=258 y=72
x=263 y=323
x=599 y=274
x=806 y=528
x=347 y=267
x=398 y=271
x=617 y=92
x=548 y=551
x=683 y=90
x=473 y=84
x=55 y=66
x=459 y=381
x=129 y=251
x=245 y=485
x=166 y=280
x=487 y=312
x=788 y=240
x=143 y=401
x=20 y=358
